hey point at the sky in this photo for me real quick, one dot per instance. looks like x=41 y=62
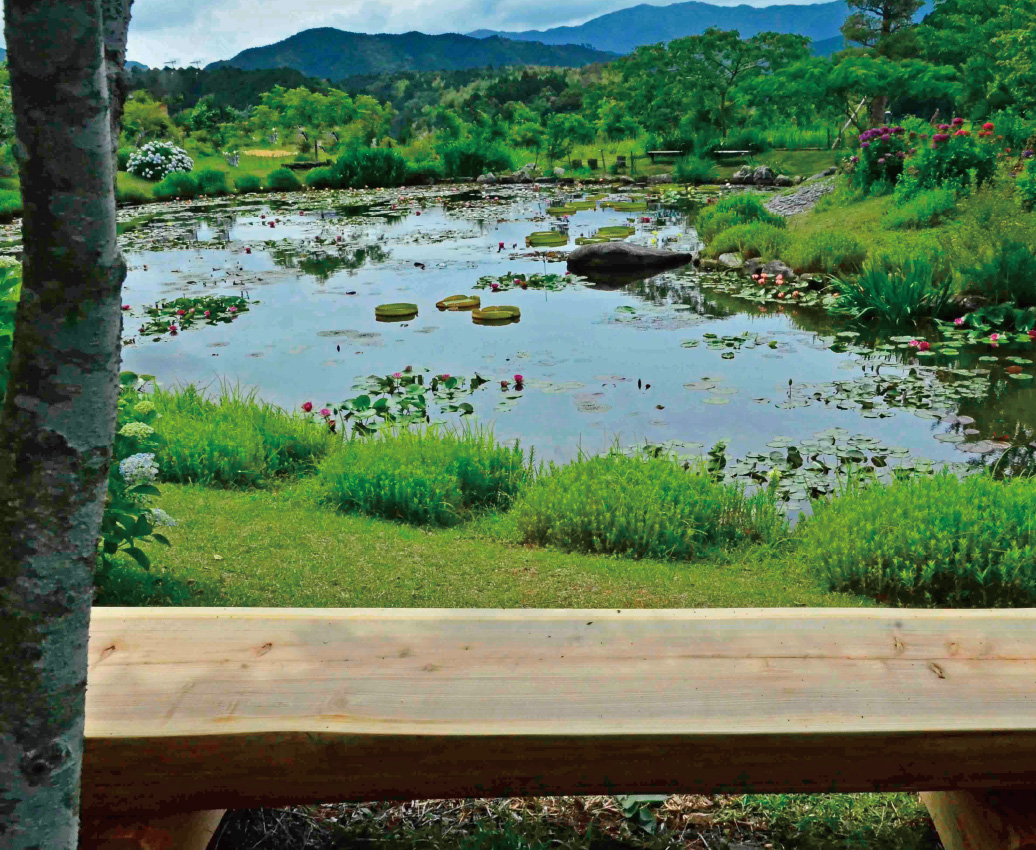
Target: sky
x=185 y=32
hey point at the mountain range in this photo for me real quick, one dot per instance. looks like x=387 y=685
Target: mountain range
x=334 y=54
x=626 y=29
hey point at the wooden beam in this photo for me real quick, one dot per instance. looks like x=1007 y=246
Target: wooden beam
x=192 y=708
x=190 y=831
x=984 y=820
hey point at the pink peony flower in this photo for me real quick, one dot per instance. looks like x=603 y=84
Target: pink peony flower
x=308 y=406
x=957 y=122
x=988 y=126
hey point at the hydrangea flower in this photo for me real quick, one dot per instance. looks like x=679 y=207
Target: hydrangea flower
x=157 y=159
x=144 y=408
x=139 y=469
x=136 y=430
x=160 y=517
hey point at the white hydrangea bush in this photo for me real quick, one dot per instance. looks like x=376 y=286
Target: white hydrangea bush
x=156 y=159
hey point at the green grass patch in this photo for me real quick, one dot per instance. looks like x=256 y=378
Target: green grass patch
x=754 y=239
x=430 y=476
x=233 y=440
x=640 y=507
x=930 y=542
x=740 y=208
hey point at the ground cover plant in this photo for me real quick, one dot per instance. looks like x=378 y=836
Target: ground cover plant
x=428 y=476
x=939 y=542
x=233 y=439
x=736 y=209
x=641 y=508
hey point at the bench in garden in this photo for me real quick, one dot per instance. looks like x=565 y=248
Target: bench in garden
x=196 y=710
x=732 y=153
x=306 y=166
x=665 y=156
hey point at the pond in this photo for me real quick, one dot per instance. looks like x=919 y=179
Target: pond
x=674 y=359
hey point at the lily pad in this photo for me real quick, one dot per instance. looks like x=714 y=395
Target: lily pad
x=401 y=310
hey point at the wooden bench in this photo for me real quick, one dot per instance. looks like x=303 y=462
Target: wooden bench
x=195 y=710
x=665 y=156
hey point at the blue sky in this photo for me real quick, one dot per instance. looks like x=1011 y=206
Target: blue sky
x=201 y=31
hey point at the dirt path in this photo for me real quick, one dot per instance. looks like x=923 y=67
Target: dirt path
x=802 y=200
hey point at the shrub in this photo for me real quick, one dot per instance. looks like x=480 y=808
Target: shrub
x=1027 y=186
x=212 y=181
x=754 y=239
x=419 y=173
x=883 y=151
x=233 y=440
x=827 y=251
x=283 y=180
x=893 y=294
x=248 y=183
x=694 y=169
x=374 y=168
x=10 y=204
x=176 y=185
x=428 y=477
x=740 y=208
x=1006 y=273
x=954 y=161
x=123 y=157
x=132 y=195
x=472 y=159
x=641 y=508
x=322 y=178
x=157 y=159
x=933 y=541
x=924 y=209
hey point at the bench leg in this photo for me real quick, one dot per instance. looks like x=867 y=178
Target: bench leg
x=191 y=831
x=983 y=820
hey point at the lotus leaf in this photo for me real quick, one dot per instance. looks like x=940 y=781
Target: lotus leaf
x=395 y=311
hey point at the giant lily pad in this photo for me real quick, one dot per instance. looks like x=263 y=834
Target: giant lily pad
x=546 y=239
x=395 y=312
x=459 y=302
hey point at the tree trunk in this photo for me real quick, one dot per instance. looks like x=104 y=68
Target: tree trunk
x=878 y=107
x=58 y=422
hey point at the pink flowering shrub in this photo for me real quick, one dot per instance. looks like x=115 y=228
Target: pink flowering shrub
x=883 y=152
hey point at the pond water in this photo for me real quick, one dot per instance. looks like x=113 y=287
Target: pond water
x=671 y=359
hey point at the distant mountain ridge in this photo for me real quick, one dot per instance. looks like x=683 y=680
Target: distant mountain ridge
x=626 y=29
x=334 y=54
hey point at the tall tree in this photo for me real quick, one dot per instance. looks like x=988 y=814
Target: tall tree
x=66 y=63
x=882 y=25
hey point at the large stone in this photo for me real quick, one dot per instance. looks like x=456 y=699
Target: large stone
x=626 y=180
x=783 y=180
x=742 y=175
x=559 y=172
x=776 y=267
x=486 y=179
x=623 y=257
x=763 y=176
x=731 y=261
x=660 y=178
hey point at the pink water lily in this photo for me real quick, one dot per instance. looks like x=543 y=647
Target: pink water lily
x=233 y=309
x=958 y=321
x=325 y=412
x=994 y=337
x=206 y=314
x=1032 y=334
x=181 y=312
x=923 y=346
x=914 y=343
x=125 y=306
x=518 y=379
x=397 y=374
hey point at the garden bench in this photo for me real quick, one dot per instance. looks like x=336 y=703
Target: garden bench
x=665 y=156
x=195 y=710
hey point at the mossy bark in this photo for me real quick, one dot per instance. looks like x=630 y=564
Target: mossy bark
x=58 y=421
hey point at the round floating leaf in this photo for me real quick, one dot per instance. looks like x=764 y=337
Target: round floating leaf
x=459 y=302
x=619 y=232
x=546 y=239
x=496 y=313
x=395 y=311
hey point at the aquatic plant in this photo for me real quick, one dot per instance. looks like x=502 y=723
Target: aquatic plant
x=401 y=310
x=893 y=295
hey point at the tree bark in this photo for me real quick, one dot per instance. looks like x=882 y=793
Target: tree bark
x=58 y=422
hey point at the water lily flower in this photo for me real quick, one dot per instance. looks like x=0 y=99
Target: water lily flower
x=958 y=321
x=325 y=412
x=518 y=379
x=248 y=250
x=494 y=286
x=755 y=277
x=518 y=281
x=181 y=312
x=206 y=314
x=445 y=376
x=125 y=306
x=172 y=329
x=504 y=385
x=1032 y=334
x=232 y=309
x=308 y=406
x=923 y=346
x=913 y=343
x=397 y=374
x=994 y=337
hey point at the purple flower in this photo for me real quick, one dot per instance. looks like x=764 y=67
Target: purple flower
x=865 y=145
x=881 y=160
x=1027 y=154
x=957 y=122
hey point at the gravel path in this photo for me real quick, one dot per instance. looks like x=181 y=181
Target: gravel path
x=802 y=200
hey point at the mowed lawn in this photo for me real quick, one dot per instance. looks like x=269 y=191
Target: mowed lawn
x=279 y=548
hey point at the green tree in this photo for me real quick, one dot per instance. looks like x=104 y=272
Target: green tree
x=66 y=62
x=557 y=137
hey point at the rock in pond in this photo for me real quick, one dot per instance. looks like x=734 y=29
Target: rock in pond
x=731 y=261
x=622 y=256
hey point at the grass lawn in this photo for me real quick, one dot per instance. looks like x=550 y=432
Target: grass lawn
x=260 y=166
x=279 y=548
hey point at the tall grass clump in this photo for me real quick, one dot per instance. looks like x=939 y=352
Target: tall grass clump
x=427 y=477
x=234 y=439
x=927 y=208
x=471 y=158
x=10 y=204
x=247 y=183
x=176 y=184
x=829 y=251
x=212 y=181
x=936 y=542
x=1005 y=271
x=754 y=239
x=283 y=180
x=694 y=169
x=641 y=508
x=742 y=208
x=894 y=295
x=370 y=168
